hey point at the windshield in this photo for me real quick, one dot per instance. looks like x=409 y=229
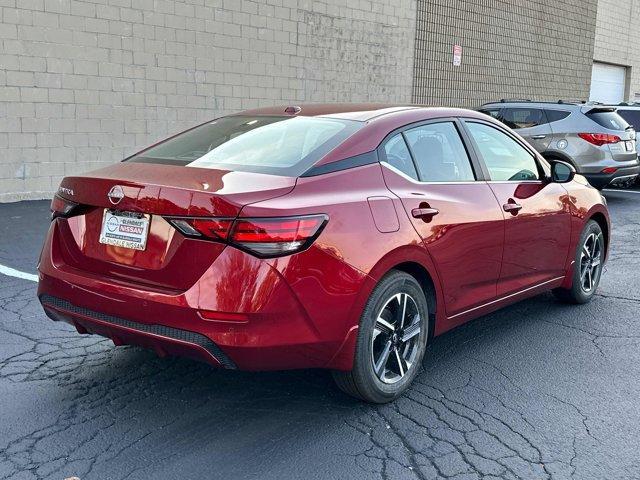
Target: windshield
x=263 y=144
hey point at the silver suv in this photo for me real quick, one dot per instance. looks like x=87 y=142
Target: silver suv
x=597 y=141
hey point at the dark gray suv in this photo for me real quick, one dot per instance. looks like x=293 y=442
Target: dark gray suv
x=597 y=141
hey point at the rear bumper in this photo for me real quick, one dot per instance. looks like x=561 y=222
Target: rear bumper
x=601 y=180
x=259 y=315
x=164 y=340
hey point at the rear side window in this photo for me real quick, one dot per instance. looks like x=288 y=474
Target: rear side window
x=632 y=117
x=556 y=115
x=609 y=120
x=439 y=153
x=397 y=154
x=505 y=158
x=523 y=117
x=262 y=144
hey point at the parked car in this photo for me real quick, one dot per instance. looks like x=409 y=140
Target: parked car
x=325 y=236
x=630 y=112
x=592 y=137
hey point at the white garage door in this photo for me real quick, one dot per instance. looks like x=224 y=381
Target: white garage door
x=607 y=83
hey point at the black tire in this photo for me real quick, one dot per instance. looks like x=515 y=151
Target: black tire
x=374 y=337
x=578 y=293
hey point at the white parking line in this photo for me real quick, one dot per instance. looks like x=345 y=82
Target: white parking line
x=12 y=272
x=621 y=191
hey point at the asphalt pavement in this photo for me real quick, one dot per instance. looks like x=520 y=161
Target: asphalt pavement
x=537 y=390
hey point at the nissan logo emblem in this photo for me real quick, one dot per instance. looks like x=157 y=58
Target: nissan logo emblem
x=115 y=194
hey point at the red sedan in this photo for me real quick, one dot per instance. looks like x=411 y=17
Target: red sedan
x=324 y=236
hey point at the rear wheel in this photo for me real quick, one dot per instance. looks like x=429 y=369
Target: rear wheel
x=392 y=339
x=587 y=267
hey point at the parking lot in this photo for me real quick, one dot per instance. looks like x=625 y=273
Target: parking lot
x=538 y=390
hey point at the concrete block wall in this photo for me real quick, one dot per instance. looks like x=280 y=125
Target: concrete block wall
x=84 y=83
x=538 y=49
x=617 y=40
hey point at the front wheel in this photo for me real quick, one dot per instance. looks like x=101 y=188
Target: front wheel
x=587 y=267
x=392 y=339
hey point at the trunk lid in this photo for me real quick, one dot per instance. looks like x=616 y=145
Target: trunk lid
x=169 y=260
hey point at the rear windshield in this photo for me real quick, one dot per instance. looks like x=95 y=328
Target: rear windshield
x=263 y=144
x=610 y=120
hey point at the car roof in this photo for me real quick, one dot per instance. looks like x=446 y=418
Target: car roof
x=348 y=111
x=528 y=104
x=381 y=119
x=625 y=106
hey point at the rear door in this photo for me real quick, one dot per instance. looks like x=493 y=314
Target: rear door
x=531 y=123
x=455 y=212
x=536 y=212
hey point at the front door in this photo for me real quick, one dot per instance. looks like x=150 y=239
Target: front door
x=457 y=216
x=536 y=211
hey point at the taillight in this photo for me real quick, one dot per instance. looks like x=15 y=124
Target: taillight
x=61 y=207
x=207 y=228
x=599 y=139
x=264 y=237
x=609 y=170
x=274 y=237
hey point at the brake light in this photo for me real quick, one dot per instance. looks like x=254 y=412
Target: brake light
x=599 y=139
x=264 y=237
x=61 y=207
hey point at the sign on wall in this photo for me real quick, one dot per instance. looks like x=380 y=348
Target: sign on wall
x=457 y=55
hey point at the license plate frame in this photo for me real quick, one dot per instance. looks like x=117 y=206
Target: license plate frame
x=125 y=229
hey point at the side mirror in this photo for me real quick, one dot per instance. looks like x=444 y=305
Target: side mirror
x=562 y=172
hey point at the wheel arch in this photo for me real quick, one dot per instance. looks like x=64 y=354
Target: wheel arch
x=411 y=259
x=601 y=220
x=422 y=275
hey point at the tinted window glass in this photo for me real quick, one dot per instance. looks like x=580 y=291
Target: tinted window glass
x=492 y=112
x=555 y=115
x=397 y=154
x=523 y=117
x=505 y=158
x=262 y=144
x=609 y=120
x=439 y=153
x=632 y=117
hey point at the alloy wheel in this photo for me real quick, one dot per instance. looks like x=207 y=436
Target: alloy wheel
x=591 y=262
x=396 y=338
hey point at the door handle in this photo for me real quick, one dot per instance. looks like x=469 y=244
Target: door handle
x=512 y=207
x=425 y=213
x=538 y=137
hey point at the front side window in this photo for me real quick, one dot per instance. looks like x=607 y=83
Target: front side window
x=505 y=158
x=397 y=154
x=263 y=144
x=439 y=153
x=523 y=117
